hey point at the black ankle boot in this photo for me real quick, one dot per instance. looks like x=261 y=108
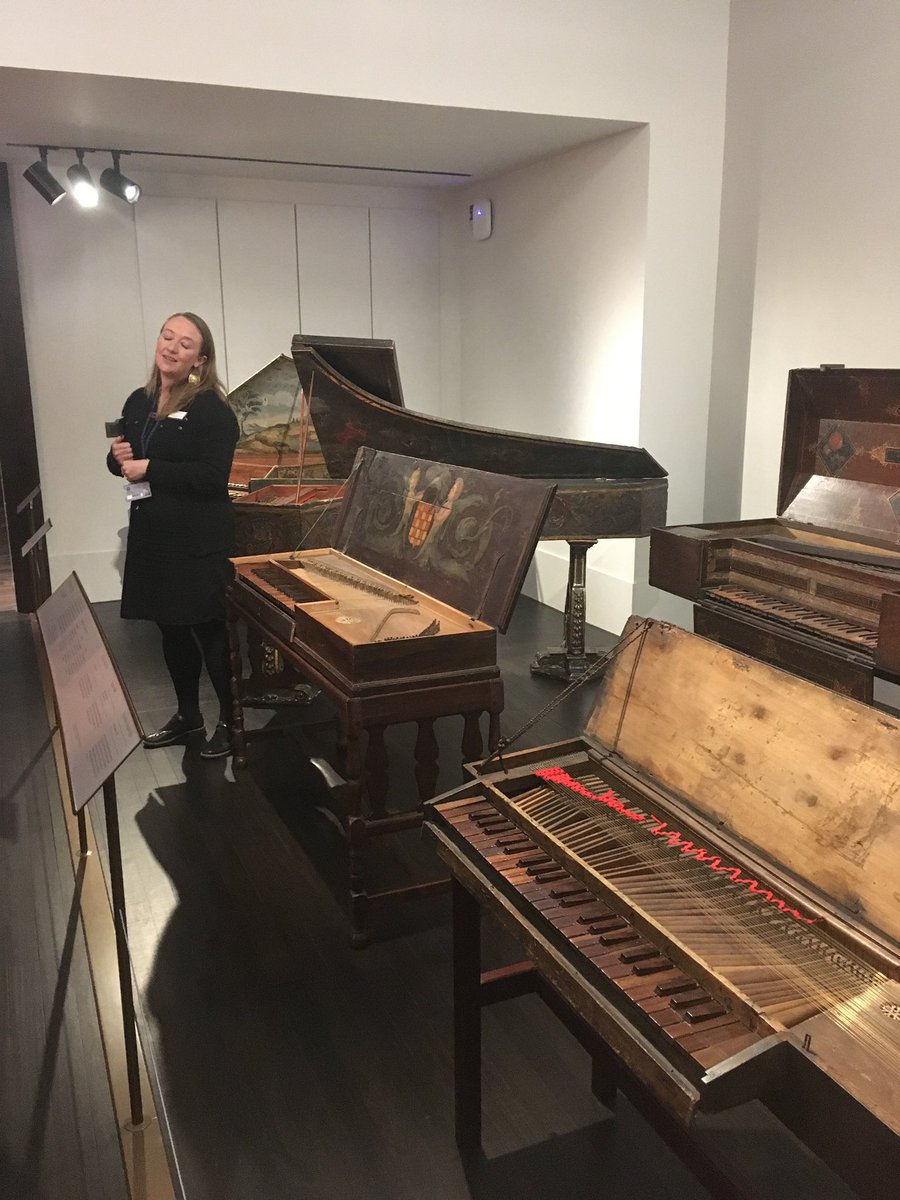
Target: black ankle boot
x=174 y=730
x=219 y=744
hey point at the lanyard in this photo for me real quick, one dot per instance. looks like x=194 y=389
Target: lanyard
x=145 y=437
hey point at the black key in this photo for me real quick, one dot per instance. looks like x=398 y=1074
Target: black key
x=619 y=938
x=531 y=860
x=652 y=966
x=704 y=1012
x=607 y=925
x=604 y=916
x=673 y=986
x=638 y=953
x=689 y=999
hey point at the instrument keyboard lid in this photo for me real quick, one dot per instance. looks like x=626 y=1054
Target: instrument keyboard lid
x=809 y=778
x=348 y=415
x=465 y=537
x=840 y=459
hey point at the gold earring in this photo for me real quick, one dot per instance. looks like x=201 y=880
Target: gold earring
x=193 y=377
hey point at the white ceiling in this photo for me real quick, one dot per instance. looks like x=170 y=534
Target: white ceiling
x=303 y=137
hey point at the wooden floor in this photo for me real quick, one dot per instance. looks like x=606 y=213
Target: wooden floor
x=289 y=1066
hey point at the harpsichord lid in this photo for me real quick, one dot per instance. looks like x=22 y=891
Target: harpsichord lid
x=465 y=537
x=840 y=459
x=347 y=415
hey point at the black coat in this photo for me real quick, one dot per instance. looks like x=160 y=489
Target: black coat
x=180 y=537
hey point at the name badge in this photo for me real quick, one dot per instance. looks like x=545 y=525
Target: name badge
x=177 y=416
x=137 y=491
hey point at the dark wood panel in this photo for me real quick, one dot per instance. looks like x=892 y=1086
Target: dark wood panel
x=58 y=1128
x=786 y=650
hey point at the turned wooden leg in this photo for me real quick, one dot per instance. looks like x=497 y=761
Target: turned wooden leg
x=376 y=771
x=466 y=1018
x=493 y=732
x=603 y=1077
x=255 y=658
x=357 y=836
x=426 y=771
x=352 y=767
x=471 y=743
x=238 y=736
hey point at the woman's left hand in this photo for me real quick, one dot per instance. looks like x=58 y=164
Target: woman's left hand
x=135 y=468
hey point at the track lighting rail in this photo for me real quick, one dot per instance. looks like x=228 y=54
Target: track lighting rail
x=82 y=184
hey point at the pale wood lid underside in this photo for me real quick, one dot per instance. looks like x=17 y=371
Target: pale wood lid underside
x=809 y=777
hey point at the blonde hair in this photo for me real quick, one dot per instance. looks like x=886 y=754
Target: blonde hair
x=183 y=394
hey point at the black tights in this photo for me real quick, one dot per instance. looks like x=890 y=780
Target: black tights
x=186 y=648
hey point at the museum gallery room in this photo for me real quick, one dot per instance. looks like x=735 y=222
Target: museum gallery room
x=450 y=600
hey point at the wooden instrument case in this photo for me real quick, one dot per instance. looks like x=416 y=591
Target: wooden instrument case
x=823 y=576
x=796 y=785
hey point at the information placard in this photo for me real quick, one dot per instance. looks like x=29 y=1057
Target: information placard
x=96 y=716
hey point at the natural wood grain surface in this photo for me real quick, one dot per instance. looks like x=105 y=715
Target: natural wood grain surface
x=810 y=777
x=292 y=1067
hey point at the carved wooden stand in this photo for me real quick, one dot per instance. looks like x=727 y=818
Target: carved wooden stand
x=359 y=781
x=571 y=660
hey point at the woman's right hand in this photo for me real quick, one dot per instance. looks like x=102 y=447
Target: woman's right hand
x=121 y=450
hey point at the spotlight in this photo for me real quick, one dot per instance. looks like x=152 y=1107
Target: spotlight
x=40 y=178
x=113 y=181
x=83 y=188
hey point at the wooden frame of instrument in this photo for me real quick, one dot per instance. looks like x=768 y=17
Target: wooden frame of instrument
x=397 y=621
x=815 y=589
x=800 y=786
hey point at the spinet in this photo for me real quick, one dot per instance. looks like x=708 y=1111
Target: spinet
x=817 y=588
x=602 y=490
x=708 y=878
x=397 y=621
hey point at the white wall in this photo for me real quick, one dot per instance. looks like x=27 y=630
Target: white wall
x=810 y=238
x=405 y=257
x=648 y=61
x=818 y=107
x=86 y=351
x=540 y=56
x=550 y=319
x=249 y=257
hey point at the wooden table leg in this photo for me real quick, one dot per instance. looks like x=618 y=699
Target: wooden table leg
x=603 y=1077
x=426 y=752
x=467 y=1018
x=493 y=732
x=238 y=737
x=376 y=771
x=472 y=743
x=357 y=836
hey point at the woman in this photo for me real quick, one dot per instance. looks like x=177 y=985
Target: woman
x=175 y=454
